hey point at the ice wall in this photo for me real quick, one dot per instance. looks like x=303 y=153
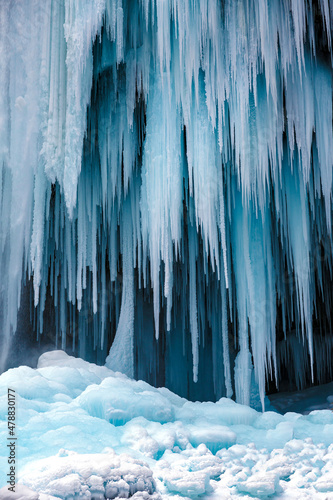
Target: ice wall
x=174 y=153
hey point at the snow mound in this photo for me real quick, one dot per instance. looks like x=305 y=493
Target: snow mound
x=98 y=476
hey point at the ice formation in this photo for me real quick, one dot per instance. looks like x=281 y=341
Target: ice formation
x=87 y=432
x=166 y=183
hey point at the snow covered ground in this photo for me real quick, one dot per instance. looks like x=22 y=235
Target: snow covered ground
x=86 y=432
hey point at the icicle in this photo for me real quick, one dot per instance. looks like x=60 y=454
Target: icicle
x=225 y=340
x=193 y=301
x=121 y=356
x=161 y=192
x=82 y=23
x=298 y=238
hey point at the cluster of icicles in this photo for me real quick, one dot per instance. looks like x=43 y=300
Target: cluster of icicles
x=182 y=148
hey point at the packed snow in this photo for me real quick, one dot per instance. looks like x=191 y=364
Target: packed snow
x=86 y=432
